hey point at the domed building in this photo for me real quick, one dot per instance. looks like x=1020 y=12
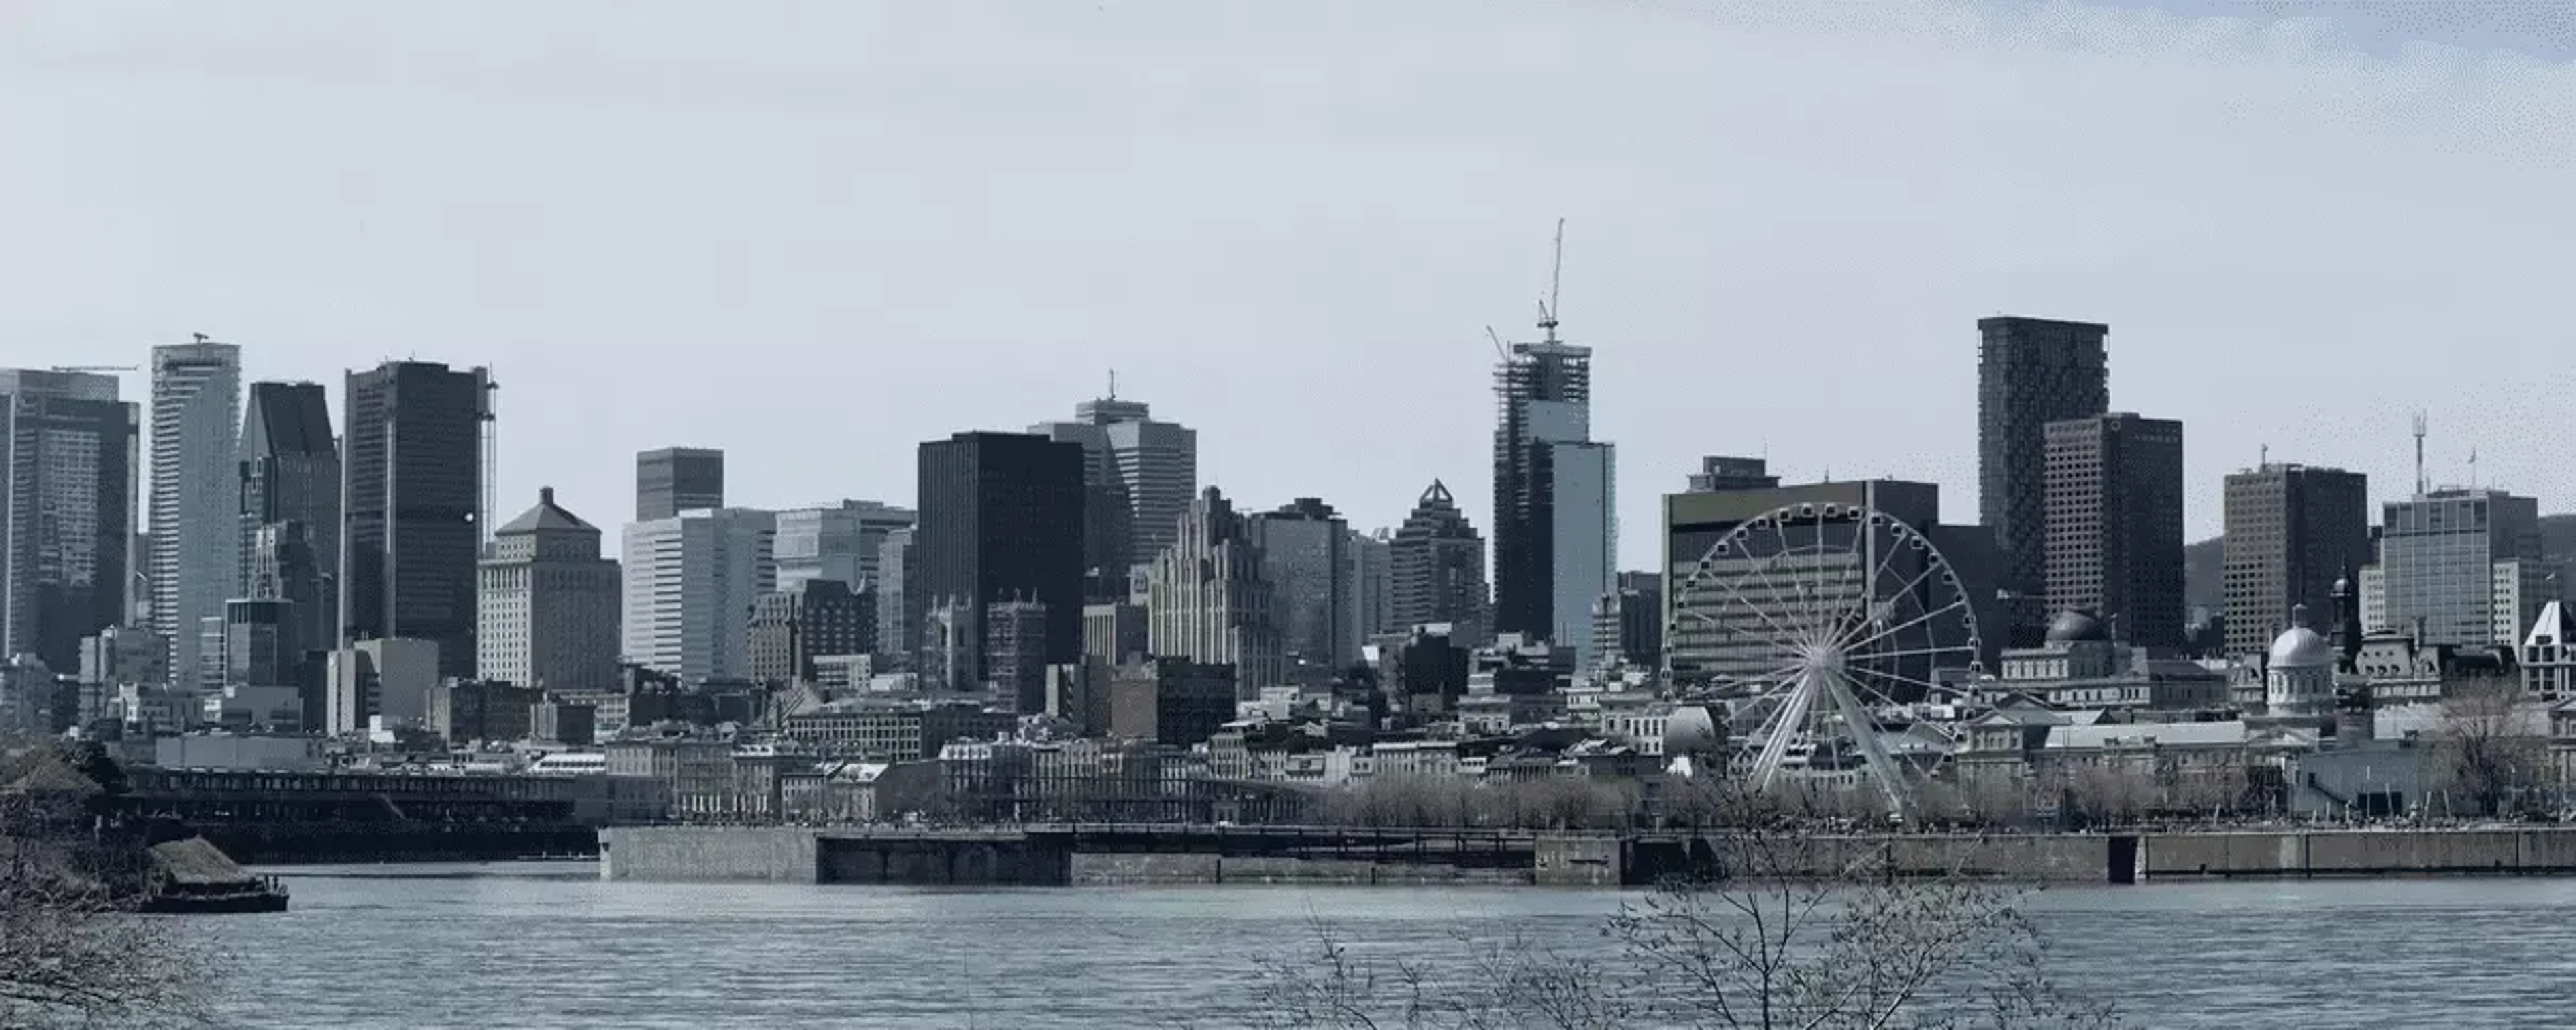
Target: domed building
x=1693 y=741
x=2299 y=698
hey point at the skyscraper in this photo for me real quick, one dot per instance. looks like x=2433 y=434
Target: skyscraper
x=2461 y=567
x=689 y=585
x=289 y=470
x=1372 y=583
x=549 y=608
x=675 y=479
x=1305 y=557
x=842 y=543
x=196 y=501
x=2113 y=508
x=2292 y=531
x=67 y=488
x=898 y=609
x=1208 y=601
x=1001 y=520
x=410 y=531
x=1437 y=565
x=1138 y=478
x=2030 y=372
x=1554 y=528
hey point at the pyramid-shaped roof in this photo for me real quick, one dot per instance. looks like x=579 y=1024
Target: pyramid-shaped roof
x=547 y=516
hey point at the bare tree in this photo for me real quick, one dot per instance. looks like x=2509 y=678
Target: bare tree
x=73 y=950
x=2492 y=755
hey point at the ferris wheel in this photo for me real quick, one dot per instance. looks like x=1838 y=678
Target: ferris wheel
x=1824 y=624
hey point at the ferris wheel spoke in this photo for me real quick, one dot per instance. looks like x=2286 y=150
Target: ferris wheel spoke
x=1847 y=639
x=1901 y=678
x=1786 y=639
x=1936 y=651
x=1958 y=605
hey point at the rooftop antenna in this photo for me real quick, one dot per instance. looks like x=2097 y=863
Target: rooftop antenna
x=2421 y=486
x=1113 y=385
x=1555 y=280
x=2266 y=461
x=2473 y=468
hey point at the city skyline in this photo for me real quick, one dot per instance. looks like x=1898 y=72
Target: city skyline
x=1674 y=316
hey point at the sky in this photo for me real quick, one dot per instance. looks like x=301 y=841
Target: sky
x=815 y=234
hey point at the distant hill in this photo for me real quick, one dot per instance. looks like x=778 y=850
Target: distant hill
x=2203 y=571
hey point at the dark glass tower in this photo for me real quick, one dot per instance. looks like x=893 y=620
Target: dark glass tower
x=677 y=479
x=1437 y=567
x=2030 y=372
x=409 y=538
x=1001 y=520
x=67 y=463
x=2114 y=517
x=1544 y=393
x=290 y=472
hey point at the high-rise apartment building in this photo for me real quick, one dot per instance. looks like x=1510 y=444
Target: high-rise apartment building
x=1001 y=520
x=2030 y=372
x=1436 y=564
x=196 y=500
x=289 y=471
x=1555 y=530
x=842 y=543
x=1305 y=557
x=2114 y=515
x=412 y=510
x=1138 y=477
x=1208 y=601
x=550 y=603
x=672 y=480
x=2460 y=567
x=689 y=583
x=67 y=505
x=2292 y=532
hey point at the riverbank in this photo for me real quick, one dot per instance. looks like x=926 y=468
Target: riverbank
x=1142 y=856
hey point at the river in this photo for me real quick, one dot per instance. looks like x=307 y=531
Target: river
x=553 y=946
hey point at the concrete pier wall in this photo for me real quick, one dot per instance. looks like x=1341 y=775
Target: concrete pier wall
x=712 y=854
x=2539 y=851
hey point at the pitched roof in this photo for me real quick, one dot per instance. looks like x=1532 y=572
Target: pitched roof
x=547 y=516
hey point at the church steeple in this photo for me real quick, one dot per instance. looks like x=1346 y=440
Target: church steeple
x=2347 y=624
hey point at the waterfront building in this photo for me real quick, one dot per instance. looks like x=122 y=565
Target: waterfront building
x=671 y=480
x=1208 y=602
x=550 y=603
x=1305 y=557
x=2114 y=517
x=2549 y=654
x=1138 y=477
x=1436 y=565
x=195 y=559
x=803 y=621
x=413 y=511
x=843 y=543
x=2460 y=568
x=2030 y=372
x=1170 y=701
x=1555 y=527
x=1000 y=520
x=67 y=485
x=689 y=585
x=465 y=711
x=2292 y=531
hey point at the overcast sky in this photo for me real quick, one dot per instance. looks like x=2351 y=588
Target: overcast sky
x=815 y=234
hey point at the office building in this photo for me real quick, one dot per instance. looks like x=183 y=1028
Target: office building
x=898 y=612
x=672 y=480
x=382 y=682
x=1628 y=624
x=2030 y=372
x=289 y=471
x=1721 y=472
x=1170 y=701
x=412 y=517
x=1207 y=601
x=2292 y=532
x=1114 y=631
x=1138 y=477
x=1436 y=565
x=1000 y=521
x=2459 y=567
x=550 y=603
x=842 y=543
x=1015 y=653
x=67 y=506
x=196 y=536
x=1555 y=532
x=689 y=583
x=806 y=620
x=1371 y=608
x=2113 y=513
x=1305 y=557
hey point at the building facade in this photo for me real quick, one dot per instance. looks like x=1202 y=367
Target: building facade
x=550 y=603
x=898 y=618
x=2030 y=372
x=843 y=543
x=2114 y=517
x=67 y=506
x=289 y=464
x=1553 y=526
x=2457 y=565
x=2292 y=532
x=1436 y=565
x=1001 y=520
x=671 y=480
x=1305 y=557
x=689 y=583
x=195 y=559
x=412 y=507
x=805 y=620
x=1372 y=581
x=1208 y=601
x=1138 y=477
